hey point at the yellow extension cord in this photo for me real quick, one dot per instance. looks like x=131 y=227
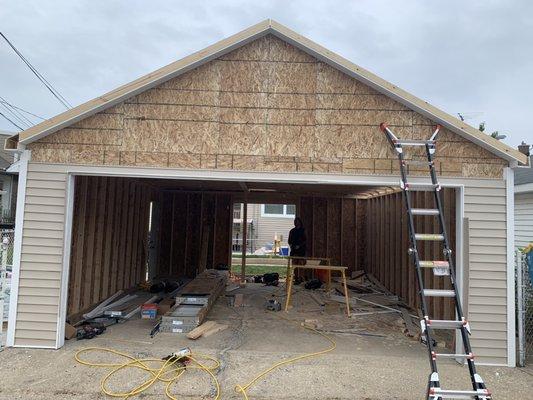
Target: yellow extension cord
x=169 y=371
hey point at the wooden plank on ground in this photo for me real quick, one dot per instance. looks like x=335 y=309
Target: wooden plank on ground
x=197 y=332
x=215 y=329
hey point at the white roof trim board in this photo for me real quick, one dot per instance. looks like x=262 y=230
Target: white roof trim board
x=240 y=39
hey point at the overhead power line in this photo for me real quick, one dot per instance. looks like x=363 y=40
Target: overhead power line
x=39 y=76
x=3 y=115
x=17 y=115
x=2 y=100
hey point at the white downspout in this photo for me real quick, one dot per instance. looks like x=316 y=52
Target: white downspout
x=511 y=319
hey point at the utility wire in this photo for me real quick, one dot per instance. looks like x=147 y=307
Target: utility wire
x=2 y=100
x=21 y=117
x=3 y=115
x=13 y=115
x=39 y=76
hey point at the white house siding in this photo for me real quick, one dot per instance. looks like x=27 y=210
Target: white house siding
x=485 y=207
x=268 y=227
x=523 y=219
x=42 y=257
x=265 y=228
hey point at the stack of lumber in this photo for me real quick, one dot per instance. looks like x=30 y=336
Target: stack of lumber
x=194 y=301
x=120 y=305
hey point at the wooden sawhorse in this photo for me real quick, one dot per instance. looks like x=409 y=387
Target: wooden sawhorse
x=290 y=278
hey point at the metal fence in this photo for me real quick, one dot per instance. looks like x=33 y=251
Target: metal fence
x=524 y=307
x=5 y=276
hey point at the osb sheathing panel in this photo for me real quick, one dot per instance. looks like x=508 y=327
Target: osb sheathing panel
x=264 y=100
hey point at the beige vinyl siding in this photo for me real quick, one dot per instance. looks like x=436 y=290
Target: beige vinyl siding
x=42 y=254
x=485 y=207
x=523 y=219
x=42 y=257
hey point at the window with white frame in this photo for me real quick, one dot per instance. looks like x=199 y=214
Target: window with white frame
x=278 y=210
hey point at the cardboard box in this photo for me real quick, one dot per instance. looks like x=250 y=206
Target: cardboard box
x=70 y=331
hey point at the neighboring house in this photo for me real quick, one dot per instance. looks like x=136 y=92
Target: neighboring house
x=523 y=202
x=266 y=222
x=270 y=117
x=8 y=201
x=8 y=184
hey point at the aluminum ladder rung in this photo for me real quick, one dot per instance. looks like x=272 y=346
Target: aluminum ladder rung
x=435 y=355
x=438 y=293
x=424 y=211
x=413 y=142
x=434 y=264
x=420 y=187
x=438 y=393
x=429 y=236
x=445 y=324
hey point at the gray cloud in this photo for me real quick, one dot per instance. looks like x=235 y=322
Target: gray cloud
x=460 y=56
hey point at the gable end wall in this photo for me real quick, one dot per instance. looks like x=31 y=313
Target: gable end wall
x=266 y=106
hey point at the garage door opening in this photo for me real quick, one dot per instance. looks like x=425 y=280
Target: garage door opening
x=127 y=231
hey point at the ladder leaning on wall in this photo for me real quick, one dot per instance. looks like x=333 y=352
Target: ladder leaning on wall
x=444 y=269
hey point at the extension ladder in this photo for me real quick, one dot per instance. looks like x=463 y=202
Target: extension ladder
x=440 y=268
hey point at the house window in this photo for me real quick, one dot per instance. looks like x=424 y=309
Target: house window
x=278 y=210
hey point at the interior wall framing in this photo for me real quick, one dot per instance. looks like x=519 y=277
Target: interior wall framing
x=335 y=229
x=195 y=232
x=387 y=245
x=109 y=238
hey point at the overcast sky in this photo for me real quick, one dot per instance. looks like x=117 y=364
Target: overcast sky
x=462 y=56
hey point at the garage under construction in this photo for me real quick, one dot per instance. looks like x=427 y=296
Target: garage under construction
x=137 y=188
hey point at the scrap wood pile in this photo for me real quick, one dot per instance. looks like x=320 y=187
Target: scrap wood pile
x=368 y=297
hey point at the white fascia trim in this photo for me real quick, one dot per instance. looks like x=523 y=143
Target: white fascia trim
x=244 y=176
x=511 y=330
x=69 y=212
x=525 y=188
x=17 y=247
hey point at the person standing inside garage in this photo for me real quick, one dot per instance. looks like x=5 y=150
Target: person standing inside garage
x=297 y=240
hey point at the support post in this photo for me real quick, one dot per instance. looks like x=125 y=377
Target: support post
x=244 y=238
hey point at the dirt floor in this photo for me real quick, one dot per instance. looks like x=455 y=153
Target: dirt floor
x=374 y=361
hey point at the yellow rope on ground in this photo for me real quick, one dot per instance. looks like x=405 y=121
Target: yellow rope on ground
x=242 y=389
x=168 y=371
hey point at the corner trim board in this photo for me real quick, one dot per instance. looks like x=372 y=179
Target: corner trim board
x=17 y=247
x=69 y=212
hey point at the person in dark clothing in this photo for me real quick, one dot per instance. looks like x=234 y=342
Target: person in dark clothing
x=297 y=239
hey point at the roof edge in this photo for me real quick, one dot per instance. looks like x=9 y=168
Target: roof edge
x=145 y=82
x=239 y=39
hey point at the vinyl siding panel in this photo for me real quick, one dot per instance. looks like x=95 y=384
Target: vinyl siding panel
x=485 y=207
x=523 y=218
x=42 y=257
